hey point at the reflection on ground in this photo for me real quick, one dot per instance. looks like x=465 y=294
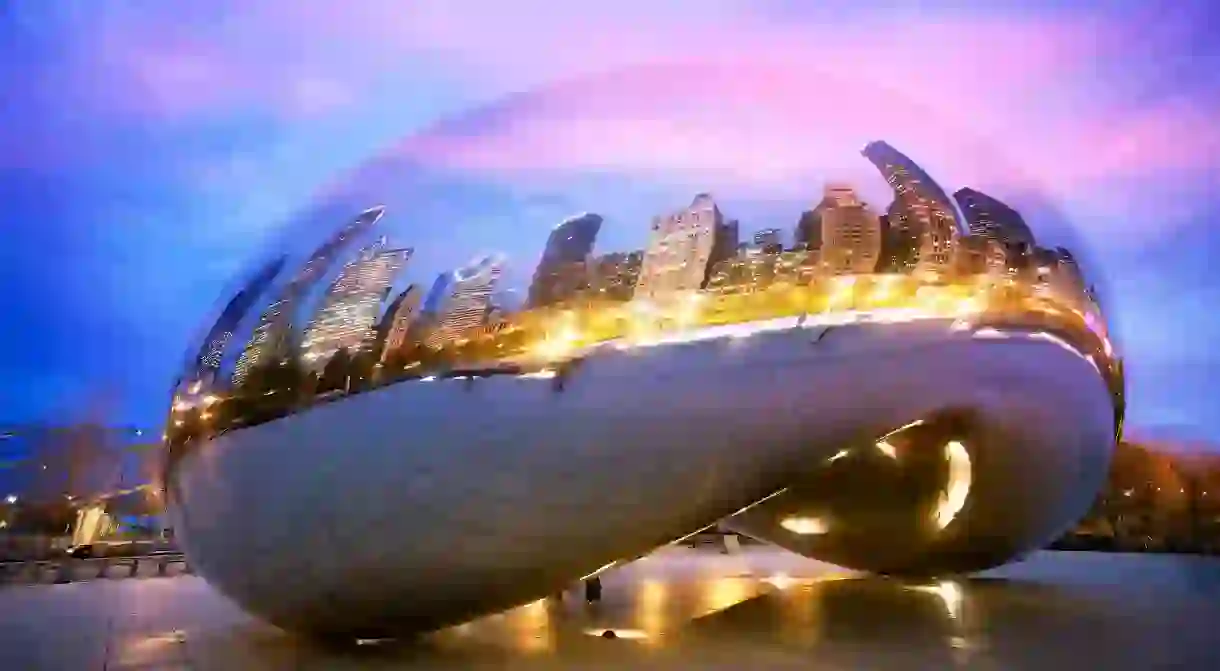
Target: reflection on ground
x=683 y=608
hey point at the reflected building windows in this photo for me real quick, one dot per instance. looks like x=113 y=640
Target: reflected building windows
x=991 y=219
x=682 y=249
x=467 y=300
x=400 y=319
x=562 y=271
x=216 y=343
x=920 y=208
x=851 y=233
x=614 y=276
x=273 y=337
x=352 y=304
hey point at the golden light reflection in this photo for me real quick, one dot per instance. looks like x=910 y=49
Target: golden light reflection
x=953 y=499
x=650 y=608
x=544 y=374
x=628 y=634
x=780 y=580
x=805 y=526
x=722 y=593
x=532 y=628
x=948 y=592
x=887 y=449
x=545 y=334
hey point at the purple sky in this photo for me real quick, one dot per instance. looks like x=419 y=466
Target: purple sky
x=148 y=149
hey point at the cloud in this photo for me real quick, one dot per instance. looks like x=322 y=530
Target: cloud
x=775 y=126
x=1050 y=91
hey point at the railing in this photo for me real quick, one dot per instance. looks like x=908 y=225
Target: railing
x=70 y=569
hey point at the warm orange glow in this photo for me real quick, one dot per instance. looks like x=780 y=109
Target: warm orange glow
x=953 y=499
x=805 y=526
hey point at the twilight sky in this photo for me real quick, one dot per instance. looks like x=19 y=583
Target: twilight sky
x=148 y=150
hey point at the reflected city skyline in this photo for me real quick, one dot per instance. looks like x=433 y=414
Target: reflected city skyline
x=353 y=317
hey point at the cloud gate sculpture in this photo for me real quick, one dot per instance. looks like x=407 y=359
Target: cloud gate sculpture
x=381 y=432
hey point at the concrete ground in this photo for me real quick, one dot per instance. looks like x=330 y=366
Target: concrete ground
x=679 y=609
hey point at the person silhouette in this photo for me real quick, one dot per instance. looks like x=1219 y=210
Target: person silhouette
x=593 y=589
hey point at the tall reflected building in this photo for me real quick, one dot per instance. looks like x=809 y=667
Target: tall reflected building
x=561 y=271
x=681 y=249
x=467 y=299
x=399 y=320
x=272 y=338
x=851 y=232
x=216 y=342
x=991 y=219
x=1057 y=271
x=921 y=211
x=349 y=310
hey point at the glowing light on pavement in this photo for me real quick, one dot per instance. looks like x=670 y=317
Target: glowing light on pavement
x=949 y=593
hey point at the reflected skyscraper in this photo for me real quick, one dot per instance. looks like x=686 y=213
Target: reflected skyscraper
x=991 y=219
x=351 y=306
x=272 y=337
x=467 y=299
x=851 y=232
x=399 y=318
x=211 y=355
x=1055 y=270
x=561 y=272
x=921 y=210
x=682 y=247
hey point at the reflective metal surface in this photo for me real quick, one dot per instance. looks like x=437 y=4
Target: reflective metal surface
x=436 y=378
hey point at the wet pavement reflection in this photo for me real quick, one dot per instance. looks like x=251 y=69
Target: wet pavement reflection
x=680 y=609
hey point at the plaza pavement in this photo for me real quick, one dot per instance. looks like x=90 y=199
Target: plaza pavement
x=679 y=608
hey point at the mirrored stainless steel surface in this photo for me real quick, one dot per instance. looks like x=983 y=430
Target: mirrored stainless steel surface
x=415 y=410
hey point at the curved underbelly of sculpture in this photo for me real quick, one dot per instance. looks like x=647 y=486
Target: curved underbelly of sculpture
x=430 y=502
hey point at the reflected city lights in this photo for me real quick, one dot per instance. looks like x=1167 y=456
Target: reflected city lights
x=780 y=580
x=532 y=627
x=887 y=449
x=651 y=606
x=805 y=526
x=958 y=488
x=948 y=592
x=722 y=593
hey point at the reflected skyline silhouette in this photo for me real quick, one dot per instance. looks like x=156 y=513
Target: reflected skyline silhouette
x=920 y=254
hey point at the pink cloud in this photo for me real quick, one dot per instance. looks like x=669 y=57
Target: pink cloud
x=1048 y=94
x=772 y=124
x=178 y=73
